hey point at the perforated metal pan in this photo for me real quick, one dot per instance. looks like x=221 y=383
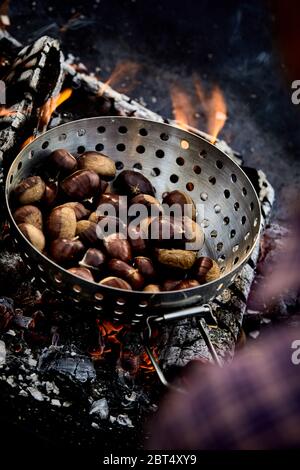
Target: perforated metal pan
x=172 y=159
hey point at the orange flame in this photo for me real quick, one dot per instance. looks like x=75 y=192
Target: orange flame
x=4 y=18
x=46 y=111
x=214 y=107
x=123 y=77
x=6 y=112
x=217 y=113
x=183 y=107
x=27 y=141
x=50 y=106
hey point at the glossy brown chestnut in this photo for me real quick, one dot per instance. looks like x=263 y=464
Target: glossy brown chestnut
x=61 y=223
x=114 y=202
x=152 y=288
x=50 y=194
x=87 y=232
x=93 y=259
x=82 y=184
x=125 y=271
x=81 y=212
x=29 y=215
x=136 y=240
x=118 y=247
x=152 y=204
x=34 y=235
x=170 y=284
x=206 y=269
x=97 y=162
x=187 y=284
x=181 y=259
x=63 y=160
x=165 y=231
x=131 y=183
x=85 y=273
x=145 y=266
x=66 y=251
x=183 y=200
x=116 y=282
x=30 y=190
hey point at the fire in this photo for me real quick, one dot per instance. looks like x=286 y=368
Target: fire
x=46 y=111
x=50 y=106
x=28 y=141
x=183 y=107
x=146 y=364
x=212 y=104
x=214 y=107
x=109 y=340
x=6 y=111
x=217 y=113
x=4 y=18
x=123 y=77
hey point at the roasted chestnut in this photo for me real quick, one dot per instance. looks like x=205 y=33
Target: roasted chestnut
x=82 y=272
x=145 y=266
x=50 y=194
x=117 y=247
x=181 y=259
x=165 y=231
x=62 y=223
x=30 y=190
x=112 y=204
x=63 y=160
x=93 y=259
x=82 y=184
x=116 y=282
x=87 y=232
x=183 y=201
x=137 y=242
x=81 y=212
x=152 y=288
x=186 y=284
x=66 y=251
x=151 y=204
x=107 y=225
x=131 y=183
x=34 y=235
x=29 y=215
x=125 y=271
x=206 y=270
x=169 y=232
x=170 y=284
x=100 y=164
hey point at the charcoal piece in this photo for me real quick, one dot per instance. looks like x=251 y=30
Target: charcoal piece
x=6 y=312
x=77 y=367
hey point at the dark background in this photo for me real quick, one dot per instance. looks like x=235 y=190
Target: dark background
x=248 y=48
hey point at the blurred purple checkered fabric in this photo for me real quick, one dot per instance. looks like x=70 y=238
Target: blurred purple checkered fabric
x=253 y=403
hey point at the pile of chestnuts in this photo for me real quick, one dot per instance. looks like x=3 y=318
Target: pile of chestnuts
x=62 y=214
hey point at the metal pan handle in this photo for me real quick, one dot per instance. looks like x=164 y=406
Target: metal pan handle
x=204 y=311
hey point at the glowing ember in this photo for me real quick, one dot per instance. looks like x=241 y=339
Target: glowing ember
x=183 y=107
x=123 y=77
x=111 y=340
